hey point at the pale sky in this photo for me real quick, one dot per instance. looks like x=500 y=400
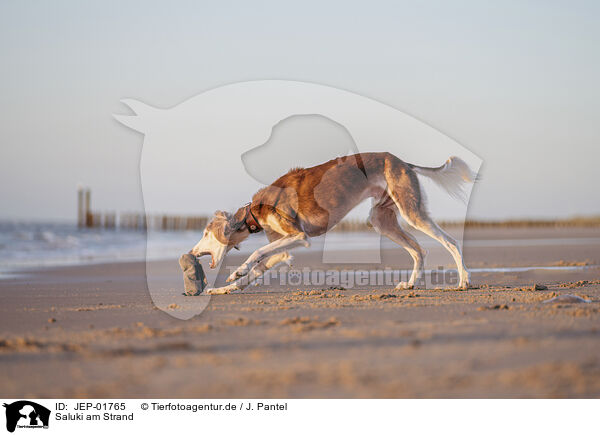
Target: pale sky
x=515 y=83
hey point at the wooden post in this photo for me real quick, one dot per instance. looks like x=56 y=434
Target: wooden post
x=109 y=220
x=89 y=219
x=80 y=210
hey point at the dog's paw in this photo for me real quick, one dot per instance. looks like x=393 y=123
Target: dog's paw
x=405 y=286
x=219 y=291
x=238 y=273
x=233 y=277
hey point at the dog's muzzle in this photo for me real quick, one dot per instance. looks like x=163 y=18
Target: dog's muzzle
x=203 y=253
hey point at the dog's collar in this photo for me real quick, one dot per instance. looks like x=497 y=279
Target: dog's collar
x=251 y=221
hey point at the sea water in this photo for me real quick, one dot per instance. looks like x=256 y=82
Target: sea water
x=29 y=245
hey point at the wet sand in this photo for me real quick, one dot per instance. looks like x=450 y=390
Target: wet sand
x=93 y=331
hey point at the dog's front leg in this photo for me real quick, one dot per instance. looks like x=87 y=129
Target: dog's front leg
x=256 y=272
x=283 y=244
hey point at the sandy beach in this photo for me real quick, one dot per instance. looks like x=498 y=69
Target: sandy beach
x=93 y=330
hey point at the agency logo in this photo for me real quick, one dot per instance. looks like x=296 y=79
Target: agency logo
x=24 y=414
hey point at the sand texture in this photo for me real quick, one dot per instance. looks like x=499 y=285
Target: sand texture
x=92 y=331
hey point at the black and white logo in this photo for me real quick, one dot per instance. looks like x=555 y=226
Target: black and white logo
x=25 y=414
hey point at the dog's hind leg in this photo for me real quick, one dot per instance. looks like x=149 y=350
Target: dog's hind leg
x=404 y=189
x=425 y=224
x=384 y=219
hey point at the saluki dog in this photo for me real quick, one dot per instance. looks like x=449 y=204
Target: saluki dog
x=307 y=202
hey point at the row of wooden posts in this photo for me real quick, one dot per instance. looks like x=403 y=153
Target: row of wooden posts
x=87 y=218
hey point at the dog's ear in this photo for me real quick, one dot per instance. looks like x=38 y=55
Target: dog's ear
x=236 y=221
x=222 y=214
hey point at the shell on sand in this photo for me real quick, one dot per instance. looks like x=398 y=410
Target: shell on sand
x=567 y=299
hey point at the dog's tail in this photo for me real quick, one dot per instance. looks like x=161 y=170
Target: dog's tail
x=451 y=176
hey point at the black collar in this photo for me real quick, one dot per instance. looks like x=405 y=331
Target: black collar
x=251 y=221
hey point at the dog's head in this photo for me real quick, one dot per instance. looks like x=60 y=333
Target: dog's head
x=223 y=232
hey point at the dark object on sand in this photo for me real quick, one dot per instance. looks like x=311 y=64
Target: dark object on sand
x=194 y=280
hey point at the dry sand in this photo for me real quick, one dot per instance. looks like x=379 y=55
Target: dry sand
x=92 y=331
